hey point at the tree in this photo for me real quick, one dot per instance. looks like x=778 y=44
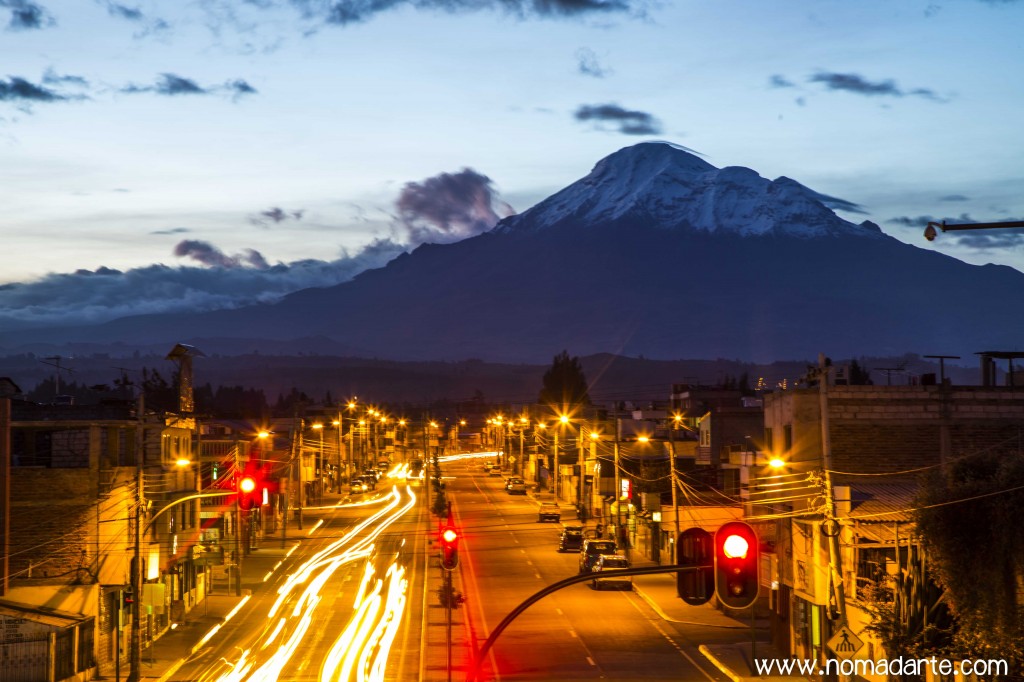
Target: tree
x=971 y=526
x=564 y=385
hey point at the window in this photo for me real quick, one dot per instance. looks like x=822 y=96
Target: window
x=768 y=443
x=787 y=438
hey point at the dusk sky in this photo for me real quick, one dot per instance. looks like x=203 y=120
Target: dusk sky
x=218 y=151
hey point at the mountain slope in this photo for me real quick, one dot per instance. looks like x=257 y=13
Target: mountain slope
x=654 y=253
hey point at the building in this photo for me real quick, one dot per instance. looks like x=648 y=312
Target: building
x=878 y=440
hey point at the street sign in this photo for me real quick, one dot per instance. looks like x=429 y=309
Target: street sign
x=511 y=459
x=844 y=643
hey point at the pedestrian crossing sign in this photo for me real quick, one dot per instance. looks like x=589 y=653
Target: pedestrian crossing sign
x=845 y=643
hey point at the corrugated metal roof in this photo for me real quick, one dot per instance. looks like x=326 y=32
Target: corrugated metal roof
x=876 y=509
x=41 y=614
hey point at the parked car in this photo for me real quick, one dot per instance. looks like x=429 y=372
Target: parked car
x=591 y=550
x=605 y=562
x=495 y=470
x=515 y=486
x=548 y=512
x=570 y=539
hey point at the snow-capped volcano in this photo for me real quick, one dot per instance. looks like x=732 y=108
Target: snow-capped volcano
x=656 y=253
x=673 y=188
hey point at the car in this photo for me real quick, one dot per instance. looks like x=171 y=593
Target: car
x=358 y=485
x=370 y=481
x=607 y=562
x=593 y=548
x=548 y=512
x=570 y=539
x=495 y=470
x=515 y=486
x=488 y=466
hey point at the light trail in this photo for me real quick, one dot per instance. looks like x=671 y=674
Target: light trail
x=362 y=650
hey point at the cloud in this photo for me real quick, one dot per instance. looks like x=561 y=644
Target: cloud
x=852 y=82
x=276 y=214
x=19 y=89
x=26 y=15
x=443 y=208
x=344 y=12
x=981 y=240
x=954 y=197
x=449 y=207
x=207 y=254
x=51 y=77
x=116 y=9
x=629 y=122
x=835 y=203
x=589 y=65
x=170 y=84
x=93 y=296
x=777 y=81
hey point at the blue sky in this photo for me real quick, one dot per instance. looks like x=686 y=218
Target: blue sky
x=212 y=152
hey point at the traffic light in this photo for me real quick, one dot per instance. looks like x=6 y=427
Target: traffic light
x=449 y=548
x=695 y=550
x=737 y=556
x=246 y=490
x=128 y=597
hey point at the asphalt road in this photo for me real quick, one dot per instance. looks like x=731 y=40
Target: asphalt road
x=575 y=634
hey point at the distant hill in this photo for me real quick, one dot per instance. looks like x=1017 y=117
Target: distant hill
x=655 y=253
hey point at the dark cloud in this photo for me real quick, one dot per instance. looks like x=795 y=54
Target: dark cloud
x=589 y=65
x=852 y=82
x=87 y=296
x=954 y=197
x=777 y=81
x=449 y=207
x=343 y=12
x=275 y=215
x=240 y=87
x=19 y=89
x=629 y=122
x=124 y=12
x=982 y=240
x=171 y=85
x=172 y=230
x=51 y=77
x=910 y=221
x=26 y=15
x=207 y=254
x=835 y=203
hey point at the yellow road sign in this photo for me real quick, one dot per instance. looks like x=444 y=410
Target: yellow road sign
x=845 y=643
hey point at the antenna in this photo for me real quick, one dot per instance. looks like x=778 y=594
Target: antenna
x=942 y=365
x=56 y=363
x=901 y=366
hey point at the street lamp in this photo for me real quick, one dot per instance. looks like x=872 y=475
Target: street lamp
x=318 y=427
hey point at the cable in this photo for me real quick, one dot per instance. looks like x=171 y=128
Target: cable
x=932 y=506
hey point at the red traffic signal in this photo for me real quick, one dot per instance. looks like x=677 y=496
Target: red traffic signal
x=449 y=548
x=128 y=597
x=737 y=559
x=247 y=493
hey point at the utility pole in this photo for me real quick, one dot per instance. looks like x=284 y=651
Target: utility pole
x=672 y=475
x=135 y=652
x=556 y=460
x=835 y=558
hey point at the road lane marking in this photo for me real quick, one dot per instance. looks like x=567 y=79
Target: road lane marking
x=559 y=612
x=572 y=633
x=657 y=626
x=591 y=661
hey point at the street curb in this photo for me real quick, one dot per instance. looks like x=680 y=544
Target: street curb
x=724 y=669
x=654 y=605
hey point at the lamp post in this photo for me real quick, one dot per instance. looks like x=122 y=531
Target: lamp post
x=319 y=468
